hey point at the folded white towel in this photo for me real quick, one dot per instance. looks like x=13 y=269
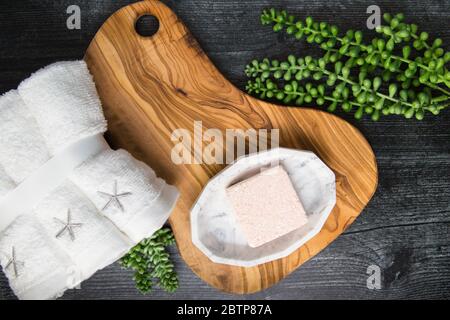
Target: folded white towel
x=72 y=221
x=35 y=267
x=102 y=207
x=63 y=99
x=23 y=149
x=127 y=192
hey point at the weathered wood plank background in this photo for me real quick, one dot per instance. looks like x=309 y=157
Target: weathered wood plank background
x=405 y=229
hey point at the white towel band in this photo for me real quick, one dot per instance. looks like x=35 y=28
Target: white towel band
x=43 y=181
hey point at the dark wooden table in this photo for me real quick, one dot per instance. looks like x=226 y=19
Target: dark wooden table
x=405 y=230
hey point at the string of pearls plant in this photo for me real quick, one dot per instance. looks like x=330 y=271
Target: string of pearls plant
x=150 y=260
x=366 y=78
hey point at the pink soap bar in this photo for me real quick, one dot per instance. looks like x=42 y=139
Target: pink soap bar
x=267 y=206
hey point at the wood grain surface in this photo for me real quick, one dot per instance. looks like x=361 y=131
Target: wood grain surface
x=151 y=86
x=405 y=230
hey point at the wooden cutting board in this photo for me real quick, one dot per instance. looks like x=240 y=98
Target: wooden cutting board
x=151 y=86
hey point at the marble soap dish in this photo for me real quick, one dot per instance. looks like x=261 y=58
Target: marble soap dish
x=215 y=230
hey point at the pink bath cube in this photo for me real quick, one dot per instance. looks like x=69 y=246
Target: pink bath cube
x=267 y=206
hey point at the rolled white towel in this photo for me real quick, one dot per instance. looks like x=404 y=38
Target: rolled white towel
x=34 y=266
x=75 y=227
x=74 y=224
x=63 y=99
x=127 y=192
x=113 y=200
x=23 y=149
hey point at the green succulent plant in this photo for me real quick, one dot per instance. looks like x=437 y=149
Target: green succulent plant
x=367 y=78
x=150 y=260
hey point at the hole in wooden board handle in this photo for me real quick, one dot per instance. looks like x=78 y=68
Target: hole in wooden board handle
x=147 y=25
x=149 y=20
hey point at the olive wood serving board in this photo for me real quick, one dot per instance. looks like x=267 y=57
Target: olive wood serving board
x=151 y=86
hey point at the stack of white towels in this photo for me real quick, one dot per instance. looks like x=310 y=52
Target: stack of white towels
x=102 y=207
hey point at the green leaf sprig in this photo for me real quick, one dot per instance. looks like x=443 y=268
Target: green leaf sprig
x=371 y=78
x=150 y=260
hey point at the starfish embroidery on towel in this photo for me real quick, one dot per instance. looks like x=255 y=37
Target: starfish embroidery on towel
x=14 y=263
x=68 y=226
x=114 y=197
